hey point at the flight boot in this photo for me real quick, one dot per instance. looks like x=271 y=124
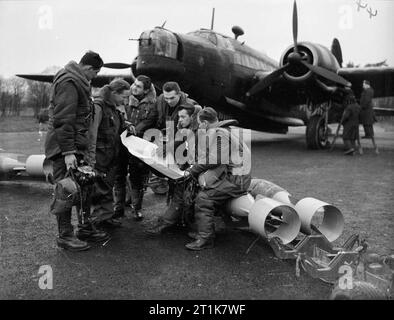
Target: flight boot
x=192 y=234
x=158 y=228
x=66 y=239
x=88 y=232
x=136 y=203
x=119 y=195
x=200 y=244
x=349 y=152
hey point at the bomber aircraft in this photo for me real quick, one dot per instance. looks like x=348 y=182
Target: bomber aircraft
x=242 y=83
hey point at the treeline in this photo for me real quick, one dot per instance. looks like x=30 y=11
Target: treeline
x=17 y=95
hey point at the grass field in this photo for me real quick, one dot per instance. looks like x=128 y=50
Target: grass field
x=360 y=186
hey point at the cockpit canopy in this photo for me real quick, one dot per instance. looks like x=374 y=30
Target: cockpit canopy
x=159 y=42
x=214 y=38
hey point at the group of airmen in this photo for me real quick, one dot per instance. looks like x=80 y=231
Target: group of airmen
x=355 y=114
x=92 y=168
x=84 y=141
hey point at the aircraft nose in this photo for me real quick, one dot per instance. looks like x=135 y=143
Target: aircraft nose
x=159 y=54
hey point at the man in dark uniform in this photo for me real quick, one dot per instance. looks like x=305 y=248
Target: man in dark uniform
x=142 y=115
x=67 y=140
x=224 y=177
x=350 y=122
x=367 y=117
x=169 y=102
x=187 y=125
x=105 y=133
x=121 y=191
x=168 y=105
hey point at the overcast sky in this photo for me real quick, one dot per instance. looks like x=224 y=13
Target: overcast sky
x=38 y=34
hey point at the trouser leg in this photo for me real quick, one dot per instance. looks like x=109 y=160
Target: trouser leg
x=207 y=202
x=174 y=211
x=119 y=189
x=62 y=210
x=204 y=215
x=119 y=199
x=172 y=214
x=65 y=227
x=102 y=198
x=139 y=173
x=348 y=144
x=63 y=213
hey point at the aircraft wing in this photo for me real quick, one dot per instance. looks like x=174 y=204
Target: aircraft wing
x=381 y=79
x=99 y=81
x=37 y=77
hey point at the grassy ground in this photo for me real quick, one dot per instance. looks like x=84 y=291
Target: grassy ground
x=18 y=124
x=360 y=186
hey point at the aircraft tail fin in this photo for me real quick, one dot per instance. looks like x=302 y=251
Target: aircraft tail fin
x=337 y=51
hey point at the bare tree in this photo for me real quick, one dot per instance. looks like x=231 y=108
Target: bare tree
x=37 y=96
x=16 y=87
x=377 y=64
x=351 y=64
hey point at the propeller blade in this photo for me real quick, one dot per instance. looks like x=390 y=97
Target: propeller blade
x=37 y=77
x=117 y=65
x=295 y=26
x=326 y=74
x=267 y=81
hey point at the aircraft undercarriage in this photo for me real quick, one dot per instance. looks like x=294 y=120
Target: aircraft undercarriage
x=317 y=129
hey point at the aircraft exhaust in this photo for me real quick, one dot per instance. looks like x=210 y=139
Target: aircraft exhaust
x=271 y=213
x=240 y=207
x=270 y=190
x=9 y=165
x=326 y=218
x=36 y=166
x=271 y=218
x=267 y=216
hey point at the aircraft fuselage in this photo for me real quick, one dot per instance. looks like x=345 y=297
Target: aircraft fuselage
x=208 y=66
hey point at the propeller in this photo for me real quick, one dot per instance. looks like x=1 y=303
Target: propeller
x=267 y=81
x=117 y=65
x=329 y=75
x=295 y=58
x=295 y=26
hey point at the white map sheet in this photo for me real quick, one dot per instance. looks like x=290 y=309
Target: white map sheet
x=146 y=151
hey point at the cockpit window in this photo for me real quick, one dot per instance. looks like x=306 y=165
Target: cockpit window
x=224 y=42
x=210 y=36
x=164 y=42
x=145 y=39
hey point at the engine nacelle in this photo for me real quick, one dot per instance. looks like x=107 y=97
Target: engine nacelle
x=312 y=53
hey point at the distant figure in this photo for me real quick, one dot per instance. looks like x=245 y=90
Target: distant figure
x=43 y=116
x=350 y=122
x=367 y=117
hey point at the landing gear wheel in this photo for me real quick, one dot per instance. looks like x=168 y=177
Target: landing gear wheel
x=317 y=133
x=361 y=291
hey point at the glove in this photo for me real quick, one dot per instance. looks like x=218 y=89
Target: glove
x=131 y=130
x=187 y=174
x=71 y=161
